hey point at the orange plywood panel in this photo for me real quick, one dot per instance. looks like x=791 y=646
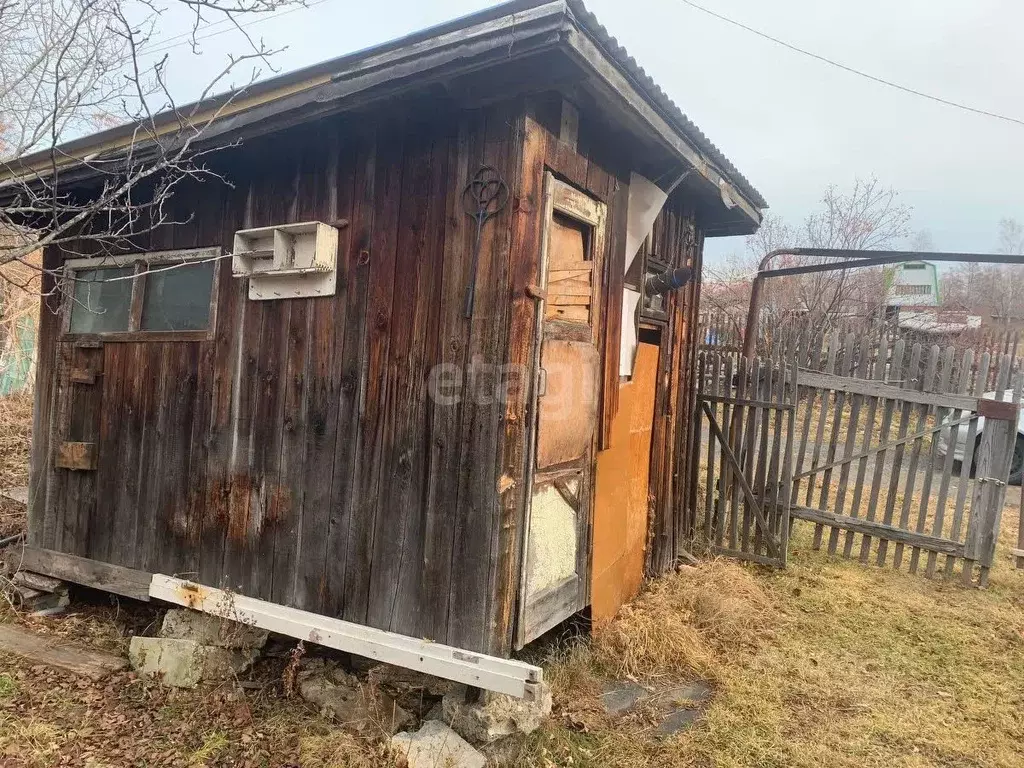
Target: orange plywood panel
x=621 y=497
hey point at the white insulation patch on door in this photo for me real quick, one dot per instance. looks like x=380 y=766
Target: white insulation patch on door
x=551 y=555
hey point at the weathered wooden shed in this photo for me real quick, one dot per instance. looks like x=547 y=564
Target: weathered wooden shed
x=312 y=409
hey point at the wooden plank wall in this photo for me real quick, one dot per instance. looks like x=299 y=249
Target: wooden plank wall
x=296 y=456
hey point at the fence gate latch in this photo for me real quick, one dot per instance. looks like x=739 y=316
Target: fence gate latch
x=995 y=480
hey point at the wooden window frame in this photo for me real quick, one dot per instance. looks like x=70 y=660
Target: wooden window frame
x=142 y=262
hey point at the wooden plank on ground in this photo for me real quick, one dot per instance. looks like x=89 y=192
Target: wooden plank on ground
x=79 y=570
x=51 y=652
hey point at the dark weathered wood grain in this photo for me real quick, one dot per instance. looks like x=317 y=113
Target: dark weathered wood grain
x=446 y=407
x=377 y=399
x=294 y=452
x=349 y=356
x=476 y=524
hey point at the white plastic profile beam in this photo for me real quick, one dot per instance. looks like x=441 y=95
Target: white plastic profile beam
x=491 y=673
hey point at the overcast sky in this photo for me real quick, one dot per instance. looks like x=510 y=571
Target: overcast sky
x=791 y=124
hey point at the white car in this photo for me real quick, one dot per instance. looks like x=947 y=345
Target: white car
x=961 y=450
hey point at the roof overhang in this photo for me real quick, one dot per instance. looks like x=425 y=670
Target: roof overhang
x=498 y=38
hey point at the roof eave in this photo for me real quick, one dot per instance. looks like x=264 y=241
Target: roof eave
x=505 y=32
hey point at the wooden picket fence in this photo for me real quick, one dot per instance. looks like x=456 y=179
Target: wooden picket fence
x=722 y=332
x=744 y=445
x=866 y=465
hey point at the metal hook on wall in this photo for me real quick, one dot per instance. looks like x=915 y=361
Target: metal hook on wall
x=484 y=197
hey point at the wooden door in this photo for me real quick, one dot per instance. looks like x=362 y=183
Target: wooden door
x=556 y=558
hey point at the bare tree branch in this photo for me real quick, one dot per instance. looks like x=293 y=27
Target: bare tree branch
x=68 y=67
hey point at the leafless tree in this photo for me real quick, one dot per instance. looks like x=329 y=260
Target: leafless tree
x=868 y=216
x=922 y=241
x=1011 y=237
x=992 y=290
x=68 y=67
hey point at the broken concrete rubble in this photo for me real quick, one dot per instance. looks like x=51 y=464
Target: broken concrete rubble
x=186 y=663
x=434 y=745
x=356 y=707
x=39 y=595
x=494 y=715
x=202 y=628
x=39 y=582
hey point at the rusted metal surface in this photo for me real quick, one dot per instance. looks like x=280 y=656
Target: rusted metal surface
x=998 y=409
x=622 y=498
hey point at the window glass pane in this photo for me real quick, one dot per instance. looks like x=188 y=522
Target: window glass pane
x=178 y=299
x=102 y=304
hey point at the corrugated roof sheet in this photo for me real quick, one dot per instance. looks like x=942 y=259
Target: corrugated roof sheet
x=654 y=92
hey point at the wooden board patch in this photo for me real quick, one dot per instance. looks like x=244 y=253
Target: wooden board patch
x=568 y=408
x=77 y=456
x=997 y=409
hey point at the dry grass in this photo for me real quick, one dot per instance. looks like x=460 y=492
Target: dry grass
x=15 y=442
x=685 y=624
x=828 y=663
x=50 y=719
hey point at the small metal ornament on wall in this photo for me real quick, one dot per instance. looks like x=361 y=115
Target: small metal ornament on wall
x=484 y=197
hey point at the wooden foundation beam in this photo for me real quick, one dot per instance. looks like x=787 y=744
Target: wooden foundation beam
x=79 y=570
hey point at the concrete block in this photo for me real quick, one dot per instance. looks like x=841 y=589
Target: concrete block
x=435 y=744
x=494 y=715
x=39 y=582
x=678 y=721
x=357 y=708
x=618 y=698
x=185 y=663
x=202 y=628
x=18 y=494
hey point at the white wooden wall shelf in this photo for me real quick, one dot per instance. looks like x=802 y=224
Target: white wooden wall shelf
x=288 y=261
